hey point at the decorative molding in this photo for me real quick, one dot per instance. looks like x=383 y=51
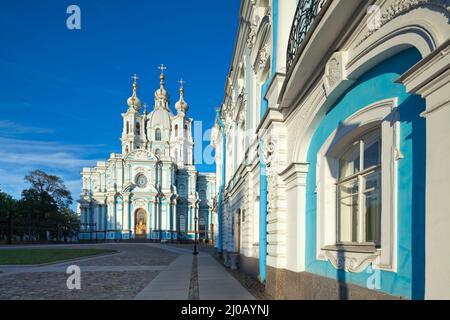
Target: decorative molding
x=350 y=261
x=251 y=38
x=335 y=72
x=140 y=203
x=263 y=58
x=400 y=7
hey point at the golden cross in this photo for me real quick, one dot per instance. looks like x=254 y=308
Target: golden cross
x=162 y=68
x=181 y=82
x=135 y=77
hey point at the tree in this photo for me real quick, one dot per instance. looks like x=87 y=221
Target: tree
x=8 y=207
x=45 y=206
x=70 y=225
x=40 y=213
x=53 y=185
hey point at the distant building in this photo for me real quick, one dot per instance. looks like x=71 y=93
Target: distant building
x=152 y=189
x=333 y=148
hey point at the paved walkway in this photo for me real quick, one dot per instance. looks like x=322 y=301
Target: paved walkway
x=213 y=281
x=139 y=271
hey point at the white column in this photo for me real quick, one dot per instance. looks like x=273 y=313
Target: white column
x=110 y=215
x=126 y=213
x=188 y=217
x=155 y=214
x=174 y=215
x=114 y=215
x=164 y=219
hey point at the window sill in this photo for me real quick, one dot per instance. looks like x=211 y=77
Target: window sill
x=370 y=249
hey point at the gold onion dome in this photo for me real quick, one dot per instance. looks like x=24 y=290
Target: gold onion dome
x=181 y=105
x=134 y=101
x=161 y=92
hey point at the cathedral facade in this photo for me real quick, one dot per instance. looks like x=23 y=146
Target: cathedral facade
x=151 y=190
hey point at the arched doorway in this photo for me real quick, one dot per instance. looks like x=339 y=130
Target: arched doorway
x=141 y=223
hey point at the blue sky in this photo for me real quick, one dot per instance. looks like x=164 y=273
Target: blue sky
x=62 y=91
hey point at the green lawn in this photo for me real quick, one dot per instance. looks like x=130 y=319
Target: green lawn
x=38 y=256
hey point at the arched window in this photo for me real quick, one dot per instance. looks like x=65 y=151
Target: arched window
x=127 y=127
x=138 y=128
x=176 y=130
x=158 y=153
x=158 y=134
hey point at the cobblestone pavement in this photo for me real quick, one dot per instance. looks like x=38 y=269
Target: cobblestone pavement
x=94 y=285
x=117 y=276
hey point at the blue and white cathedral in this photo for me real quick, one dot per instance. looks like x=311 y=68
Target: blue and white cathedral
x=151 y=190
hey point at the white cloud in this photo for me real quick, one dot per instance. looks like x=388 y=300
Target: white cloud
x=10 y=128
x=18 y=157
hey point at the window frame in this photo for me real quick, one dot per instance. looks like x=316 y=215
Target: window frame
x=359 y=177
x=138 y=128
x=158 y=134
x=382 y=114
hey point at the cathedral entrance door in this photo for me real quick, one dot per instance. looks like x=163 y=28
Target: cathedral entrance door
x=141 y=224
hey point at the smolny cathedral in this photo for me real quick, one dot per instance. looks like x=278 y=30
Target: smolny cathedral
x=151 y=190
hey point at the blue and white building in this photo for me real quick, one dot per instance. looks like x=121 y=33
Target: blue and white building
x=333 y=149
x=151 y=190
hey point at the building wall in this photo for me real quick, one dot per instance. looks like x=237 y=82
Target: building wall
x=379 y=82
x=344 y=65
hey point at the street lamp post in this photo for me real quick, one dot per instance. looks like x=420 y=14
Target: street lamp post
x=195 y=234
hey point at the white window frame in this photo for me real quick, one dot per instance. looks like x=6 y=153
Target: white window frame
x=382 y=114
x=360 y=178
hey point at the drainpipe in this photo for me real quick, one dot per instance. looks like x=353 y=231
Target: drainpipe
x=262 y=162
x=222 y=183
x=262 y=215
x=263 y=194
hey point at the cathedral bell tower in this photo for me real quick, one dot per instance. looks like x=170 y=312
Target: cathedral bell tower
x=159 y=121
x=133 y=134
x=181 y=140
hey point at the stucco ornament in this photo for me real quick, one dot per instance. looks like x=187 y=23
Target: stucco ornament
x=400 y=7
x=227 y=115
x=263 y=58
x=141 y=180
x=271 y=172
x=251 y=36
x=241 y=115
x=140 y=203
x=335 y=72
x=350 y=261
x=139 y=155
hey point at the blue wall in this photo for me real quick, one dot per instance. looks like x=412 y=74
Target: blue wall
x=378 y=84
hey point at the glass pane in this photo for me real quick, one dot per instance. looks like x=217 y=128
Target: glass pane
x=349 y=162
x=348 y=211
x=372 y=150
x=372 y=199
